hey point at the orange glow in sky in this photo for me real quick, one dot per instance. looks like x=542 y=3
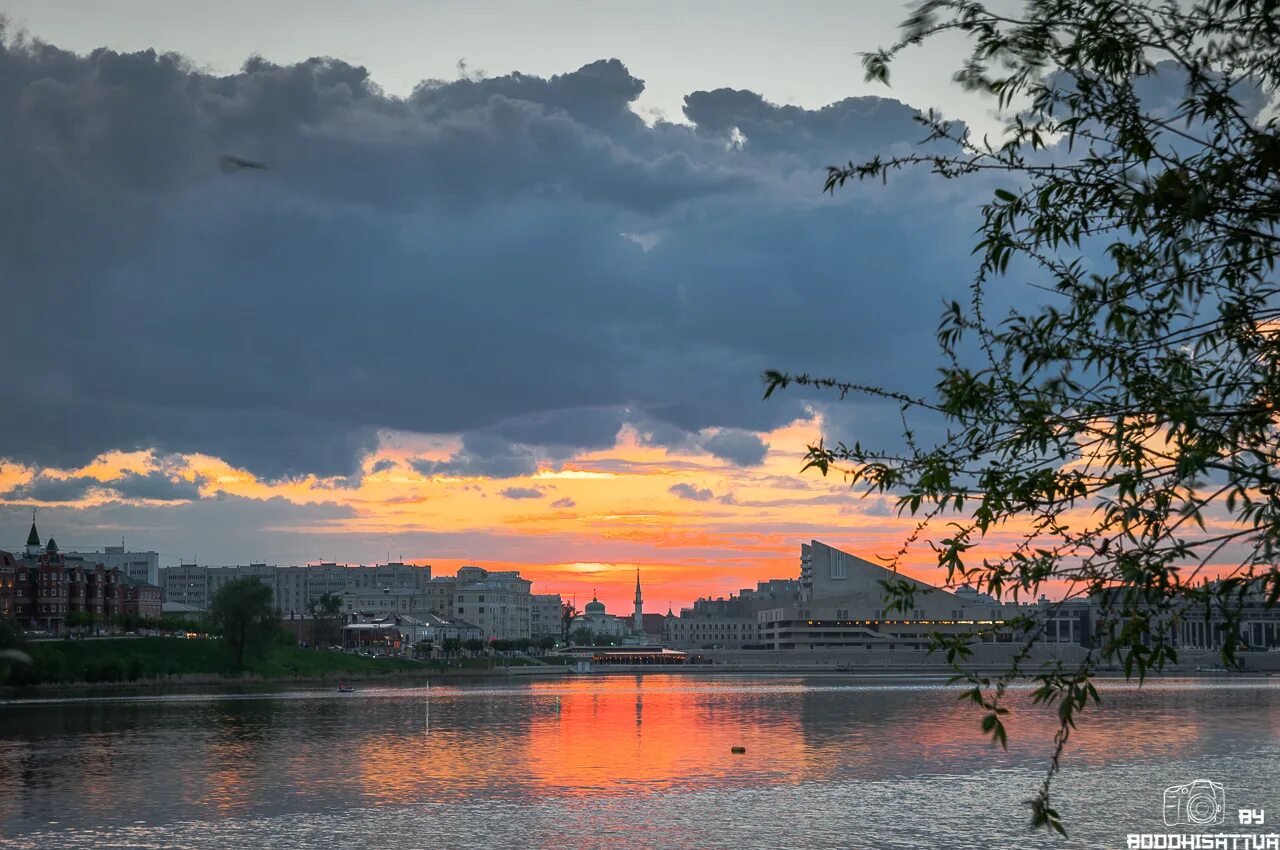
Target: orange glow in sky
x=692 y=524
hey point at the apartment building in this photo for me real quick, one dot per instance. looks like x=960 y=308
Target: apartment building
x=498 y=602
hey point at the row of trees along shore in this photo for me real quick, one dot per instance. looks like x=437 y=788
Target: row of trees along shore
x=1123 y=430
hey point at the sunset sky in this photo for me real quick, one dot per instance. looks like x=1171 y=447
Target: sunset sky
x=503 y=297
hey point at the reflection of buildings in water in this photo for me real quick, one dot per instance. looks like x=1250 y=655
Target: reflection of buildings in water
x=227 y=789
x=245 y=739
x=23 y=769
x=876 y=733
x=607 y=735
x=680 y=734
x=610 y=737
x=95 y=742
x=1166 y=719
x=476 y=742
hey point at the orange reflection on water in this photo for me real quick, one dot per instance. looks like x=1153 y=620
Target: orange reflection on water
x=606 y=735
x=227 y=789
x=621 y=736
x=576 y=740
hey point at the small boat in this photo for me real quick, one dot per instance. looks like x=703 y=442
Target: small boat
x=345 y=689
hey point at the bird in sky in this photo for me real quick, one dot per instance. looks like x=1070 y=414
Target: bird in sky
x=231 y=164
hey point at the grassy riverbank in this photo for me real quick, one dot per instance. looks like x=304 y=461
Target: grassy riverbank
x=164 y=659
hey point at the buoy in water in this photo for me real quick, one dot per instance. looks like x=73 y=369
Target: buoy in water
x=738 y=750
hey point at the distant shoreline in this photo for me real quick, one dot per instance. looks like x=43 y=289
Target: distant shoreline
x=939 y=671
x=164 y=662
x=197 y=681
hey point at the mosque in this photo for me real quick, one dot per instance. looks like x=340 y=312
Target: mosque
x=601 y=622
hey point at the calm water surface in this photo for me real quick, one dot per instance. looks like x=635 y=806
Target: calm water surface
x=615 y=761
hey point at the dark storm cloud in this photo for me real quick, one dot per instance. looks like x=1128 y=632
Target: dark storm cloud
x=689 y=491
x=157 y=486
x=483 y=456
x=742 y=448
x=738 y=447
x=765 y=126
x=222 y=529
x=519 y=260
x=47 y=489
x=585 y=428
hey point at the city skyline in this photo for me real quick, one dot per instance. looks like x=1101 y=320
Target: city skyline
x=582 y=401
x=603 y=583
x=556 y=371
x=714 y=546
x=686 y=424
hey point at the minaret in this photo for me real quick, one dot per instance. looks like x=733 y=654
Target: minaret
x=638 y=625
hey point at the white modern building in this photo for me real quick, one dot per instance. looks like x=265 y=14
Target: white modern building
x=139 y=566
x=295 y=589
x=842 y=605
x=186 y=585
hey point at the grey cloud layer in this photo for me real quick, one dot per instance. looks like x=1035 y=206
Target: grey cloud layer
x=454 y=261
x=222 y=529
x=154 y=486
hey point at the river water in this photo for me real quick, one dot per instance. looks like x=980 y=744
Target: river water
x=618 y=761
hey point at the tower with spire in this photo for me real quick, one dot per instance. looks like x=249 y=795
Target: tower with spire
x=638 y=623
x=33 y=538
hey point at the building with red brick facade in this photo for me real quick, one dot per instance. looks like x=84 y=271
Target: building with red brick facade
x=8 y=584
x=42 y=588
x=142 y=600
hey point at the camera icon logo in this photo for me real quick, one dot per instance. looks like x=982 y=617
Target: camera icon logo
x=1198 y=803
